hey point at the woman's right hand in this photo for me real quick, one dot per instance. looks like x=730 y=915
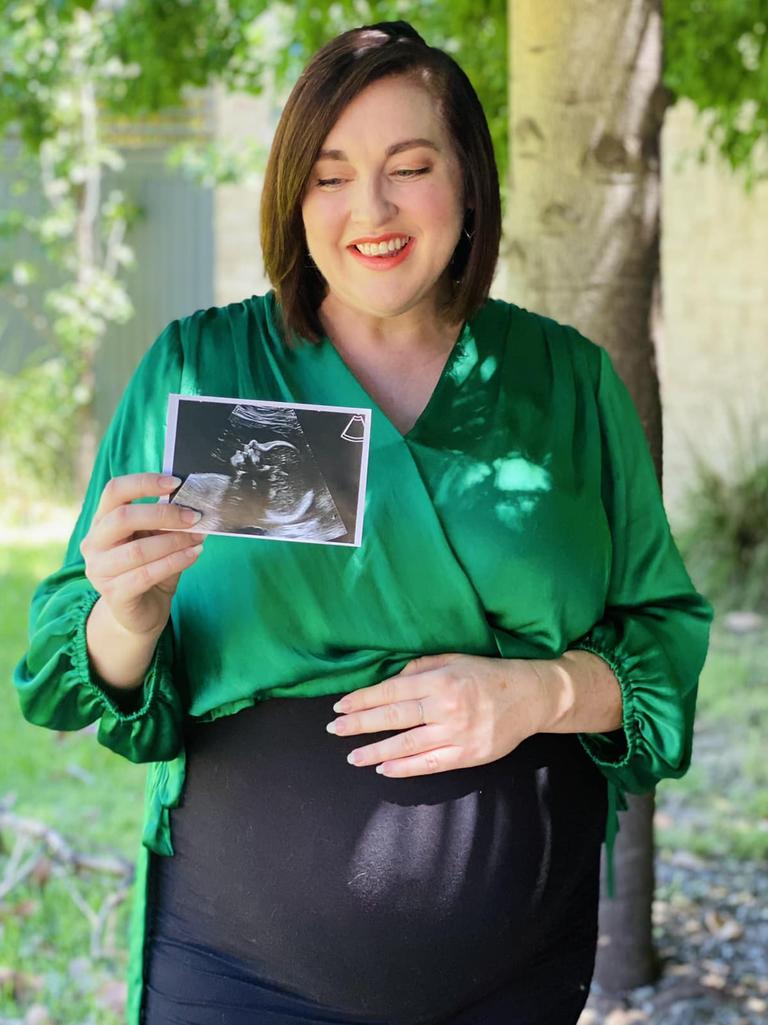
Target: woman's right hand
x=135 y=553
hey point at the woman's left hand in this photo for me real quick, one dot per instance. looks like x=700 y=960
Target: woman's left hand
x=456 y=710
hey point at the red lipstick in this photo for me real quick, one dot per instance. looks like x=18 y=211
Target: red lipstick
x=382 y=262
x=378 y=238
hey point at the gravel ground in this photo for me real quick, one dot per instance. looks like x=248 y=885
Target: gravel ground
x=711 y=927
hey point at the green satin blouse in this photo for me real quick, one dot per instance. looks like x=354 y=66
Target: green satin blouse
x=519 y=517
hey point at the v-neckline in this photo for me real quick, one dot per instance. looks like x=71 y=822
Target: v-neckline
x=453 y=355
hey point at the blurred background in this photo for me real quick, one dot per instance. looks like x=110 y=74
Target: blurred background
x=631 y=143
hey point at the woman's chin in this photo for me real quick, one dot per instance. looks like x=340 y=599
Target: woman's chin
x=384 y=302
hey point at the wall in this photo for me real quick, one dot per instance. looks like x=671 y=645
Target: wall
x=713 y=346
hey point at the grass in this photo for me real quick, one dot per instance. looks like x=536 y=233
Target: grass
x=93 y=798
x=720 y=807
x=68 y=780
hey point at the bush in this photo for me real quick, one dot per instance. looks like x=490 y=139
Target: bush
x=724 y=539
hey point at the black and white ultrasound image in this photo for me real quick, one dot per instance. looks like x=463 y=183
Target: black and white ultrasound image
x=266 y=470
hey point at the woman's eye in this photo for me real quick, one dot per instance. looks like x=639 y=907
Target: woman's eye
x=405 y=172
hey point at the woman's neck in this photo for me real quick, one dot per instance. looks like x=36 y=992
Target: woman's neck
x=419 y=329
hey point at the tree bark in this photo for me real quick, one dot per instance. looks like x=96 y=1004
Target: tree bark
x=626 y=957
x=582 y=245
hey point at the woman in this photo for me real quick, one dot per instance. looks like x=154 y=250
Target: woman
x=517 y=608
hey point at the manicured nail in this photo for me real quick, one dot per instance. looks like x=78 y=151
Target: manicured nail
x=380 y=769
x=170 y=482
x=191 y=515
x=331 y=727
x=353 y=757
x=340 y=706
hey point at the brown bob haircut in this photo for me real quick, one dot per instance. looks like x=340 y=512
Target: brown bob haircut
x=336 y=74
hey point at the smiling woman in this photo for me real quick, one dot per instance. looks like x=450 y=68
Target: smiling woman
x=380 y=775
x=383 y=137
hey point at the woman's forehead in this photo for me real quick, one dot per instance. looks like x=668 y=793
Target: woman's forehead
x=390 y=150
x=388 y=113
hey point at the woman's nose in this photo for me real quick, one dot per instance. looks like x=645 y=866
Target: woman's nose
x=372 y=203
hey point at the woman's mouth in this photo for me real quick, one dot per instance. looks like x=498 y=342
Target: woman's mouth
x=377 y=257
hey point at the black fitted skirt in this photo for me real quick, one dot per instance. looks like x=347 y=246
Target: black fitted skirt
x=306 y=890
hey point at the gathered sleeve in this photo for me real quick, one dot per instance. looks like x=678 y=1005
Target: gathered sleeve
x=55 y=681
x=654 y=630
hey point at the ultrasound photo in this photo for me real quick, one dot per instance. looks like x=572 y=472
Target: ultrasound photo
x=273 y=470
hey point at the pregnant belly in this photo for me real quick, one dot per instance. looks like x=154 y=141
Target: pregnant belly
x=398 y=897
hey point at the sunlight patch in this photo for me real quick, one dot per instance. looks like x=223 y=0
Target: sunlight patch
x=487 y=368
x=513 y=473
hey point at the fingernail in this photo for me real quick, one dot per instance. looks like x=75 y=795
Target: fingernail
x=339 y=706
x=170 y=482
x=191 y=515
x=380 y=769
x=331 y=727
x=352 y=757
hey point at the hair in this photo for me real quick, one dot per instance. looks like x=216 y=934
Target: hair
x=337 y=73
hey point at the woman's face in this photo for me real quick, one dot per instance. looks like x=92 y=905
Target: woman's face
x=387 y=172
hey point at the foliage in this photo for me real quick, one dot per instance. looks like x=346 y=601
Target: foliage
x=56 y=67
x=221 y=162
x=716 y=54
x=725 y=538
x=178 y=45
x=38 y=440
x=67 y=69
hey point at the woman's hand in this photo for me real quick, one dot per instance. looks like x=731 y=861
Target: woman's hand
x=456 y=710
x=135 y=554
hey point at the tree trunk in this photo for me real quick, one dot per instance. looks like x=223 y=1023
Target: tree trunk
x=88 y=257
x=582 y=246
x=625 y=954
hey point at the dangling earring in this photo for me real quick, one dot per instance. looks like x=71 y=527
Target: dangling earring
x=469 y=215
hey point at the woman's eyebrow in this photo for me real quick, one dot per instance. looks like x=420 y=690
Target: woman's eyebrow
x=396 y=147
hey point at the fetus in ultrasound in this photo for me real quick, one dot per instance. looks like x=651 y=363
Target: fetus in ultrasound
x=270 y=473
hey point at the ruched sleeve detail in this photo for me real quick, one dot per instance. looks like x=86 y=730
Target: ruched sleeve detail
x=55 y=681
x=654 y=631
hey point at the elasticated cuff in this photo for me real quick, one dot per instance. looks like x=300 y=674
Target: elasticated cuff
x=123 y=704
x=616 y=749
x=143 y=724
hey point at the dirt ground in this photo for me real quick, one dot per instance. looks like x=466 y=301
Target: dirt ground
x=711 y=924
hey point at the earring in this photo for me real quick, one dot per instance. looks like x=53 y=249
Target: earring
x=469 y=216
